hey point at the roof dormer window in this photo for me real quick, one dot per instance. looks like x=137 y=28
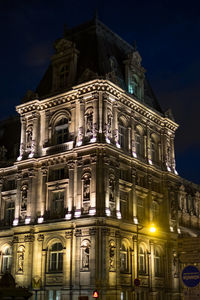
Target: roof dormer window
x=64 y=76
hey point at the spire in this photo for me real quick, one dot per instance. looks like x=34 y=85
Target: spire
x=134 y=46
x=95 y=15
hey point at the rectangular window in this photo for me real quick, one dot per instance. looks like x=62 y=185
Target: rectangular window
x=140 y=209
x=9 y=212
x=124 y=204
x=57 y=207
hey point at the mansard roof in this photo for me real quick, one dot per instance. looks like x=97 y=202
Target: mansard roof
x=97 y=45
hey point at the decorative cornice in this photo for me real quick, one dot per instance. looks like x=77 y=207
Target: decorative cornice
x=90 y=89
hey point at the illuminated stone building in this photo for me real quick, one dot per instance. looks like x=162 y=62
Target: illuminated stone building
x=95 y=169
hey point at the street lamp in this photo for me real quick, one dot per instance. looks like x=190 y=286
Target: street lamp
x=152 y=228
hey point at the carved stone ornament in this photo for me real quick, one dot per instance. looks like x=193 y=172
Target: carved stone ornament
x=40 y=237
x=135 y=58
x=15 y=239
x=29 y=238
x=93 y=231
x=78 y=232
x=68 y=234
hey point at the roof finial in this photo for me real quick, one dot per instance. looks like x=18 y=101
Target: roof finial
x=134 y=45
x=96 y=14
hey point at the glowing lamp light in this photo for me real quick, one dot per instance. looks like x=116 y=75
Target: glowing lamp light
x=93 y=140
x=108 y=213
x=15 y=222
x=77 y=214
x=92 y=211
x=135 y=220
x=107 y=140
x=40 y=220
x=27 y=220
x=152 y=228
x=95 y=294
x=118 y=145
x=134 y=155
x=119 y=216
x=68 y=216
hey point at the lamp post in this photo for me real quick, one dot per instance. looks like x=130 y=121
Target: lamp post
x=36 y=285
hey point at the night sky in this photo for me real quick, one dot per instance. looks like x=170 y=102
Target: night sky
x=167 y=35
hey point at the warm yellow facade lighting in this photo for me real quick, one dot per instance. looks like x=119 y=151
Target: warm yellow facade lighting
x=152 y=228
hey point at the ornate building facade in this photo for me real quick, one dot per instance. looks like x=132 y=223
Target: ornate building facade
x=96 y=168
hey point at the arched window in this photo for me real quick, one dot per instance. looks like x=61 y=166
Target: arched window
x=85 y=255
x=56 y=258
x=157 y=262
x=142 y=260
x=64 y=72
x=6 y=259
x=122 y=134
x=124 y=258
x=61 y=131
x=133 y=87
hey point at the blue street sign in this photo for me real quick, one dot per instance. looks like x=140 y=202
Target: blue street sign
x=191 y=276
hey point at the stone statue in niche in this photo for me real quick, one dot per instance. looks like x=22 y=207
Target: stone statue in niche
x=21 y=261
x=24 y=198
x=85 y=257
x=112 y=255
x=86 y=189
x=111 y=189
x=108 y=126
x=89 y=123
x=29 y=135
x=173 y=210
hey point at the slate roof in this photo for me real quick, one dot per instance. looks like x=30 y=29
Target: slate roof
x=97 y=44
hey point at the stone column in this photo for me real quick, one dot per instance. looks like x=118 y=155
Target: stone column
x=135 y=266
x=115 y=120
x=80 y=117
x=31 y=199
x=43 y=191
x=18 y=196
x=23 y=138
x=148 y=146
x=151 y=265
x=133 y=145
x=129 y=139
x=47 y=129
x=165 y=149
x=117 y=193
x=93 y=184
x=78 y=188
x=42 y=131
x=34 y=143
x=1 y=186
x=173 y=161
x=134 y=198
x=28 y=259
x=95 y=117
x=70 y=198
x=67 y=271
